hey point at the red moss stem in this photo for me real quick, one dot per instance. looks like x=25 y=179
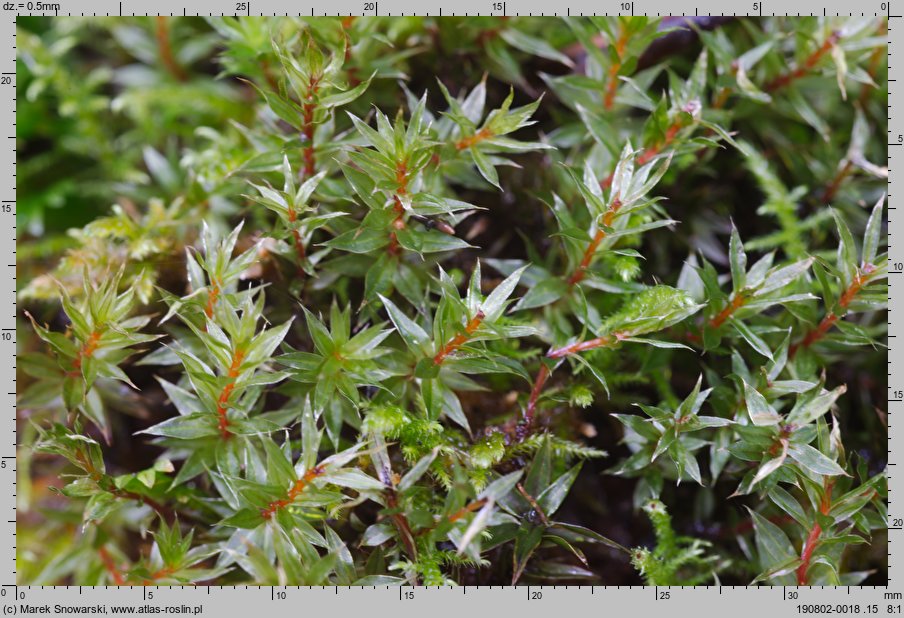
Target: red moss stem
x=212 y=297
x=736 y=303
x=166 y=50
x=297 y=487
x=87 y=349
x=650 y=153
x=223 y=399
x=830 y=319
x=471 y=140
x=539 y=383
x=544 y=372
x=812 y=541
x=460 y=339
x=839 y=178
x=806 y=67
x=612 y=82
x=579 y=273
x=110 y=566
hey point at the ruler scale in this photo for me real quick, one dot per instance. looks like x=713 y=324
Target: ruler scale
x=522 y=601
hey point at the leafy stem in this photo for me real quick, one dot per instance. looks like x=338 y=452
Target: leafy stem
x=111 y=567
x=307 y=129
x=401 y=174
x=472 y=140
x=539 y=382
x=460 y=339
x=736 y=303
x=223 y=399
x=650 y=153
x=578 y=275
x=861 y=278
x=544 y=372
x=806 y=66
x=297 y=488
x=86 y=350
x=806 y=554
x=612 y=83
x=212 y=297
x=166 y=50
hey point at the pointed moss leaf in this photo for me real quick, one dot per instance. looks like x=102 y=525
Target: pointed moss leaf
x=873 y=233
x=553 y=496
x=813 y=460
x=494 y=304
x=191 y=426
x=812 y=407
x=414 y=336
x=773 y=545
x=761 y=413
x=738 y=261
x=752 y=338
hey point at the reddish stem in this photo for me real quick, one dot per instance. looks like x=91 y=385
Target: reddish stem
x=533 y=503
x=111 y=567
x=212 y=296
x=296 y=237
x=544 y=372
x=539 y=383
x=873 y=67
x=736 y=303
x=783 y=80
x=578 y=275
x=297 y=487
x=401 y=523
x=471 y=140
x=166 y=50
x=582 y=346
x=460 y=339
x=833 y=187
x=650 y=153
x=307 y=128
x=398 y=223
x=223 y=399
x=307 y=132
x=812 y=541
x=826 y=324
x=469 y=508
x=87 y=349
x=612 y=84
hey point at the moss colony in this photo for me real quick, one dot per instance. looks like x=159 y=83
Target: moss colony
x=462 y=300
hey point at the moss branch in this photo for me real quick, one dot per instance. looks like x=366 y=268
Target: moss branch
x=165 y=49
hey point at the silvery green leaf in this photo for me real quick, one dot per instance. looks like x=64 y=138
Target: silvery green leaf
x=761 y=413
x=771 y=465
x=846 y=262
x=809 y=408
x=873 y=234
x=494 y=304
x=414 y=336
x=813 y=460
x=780 y=277
x=738 y=260
x=752 y=338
